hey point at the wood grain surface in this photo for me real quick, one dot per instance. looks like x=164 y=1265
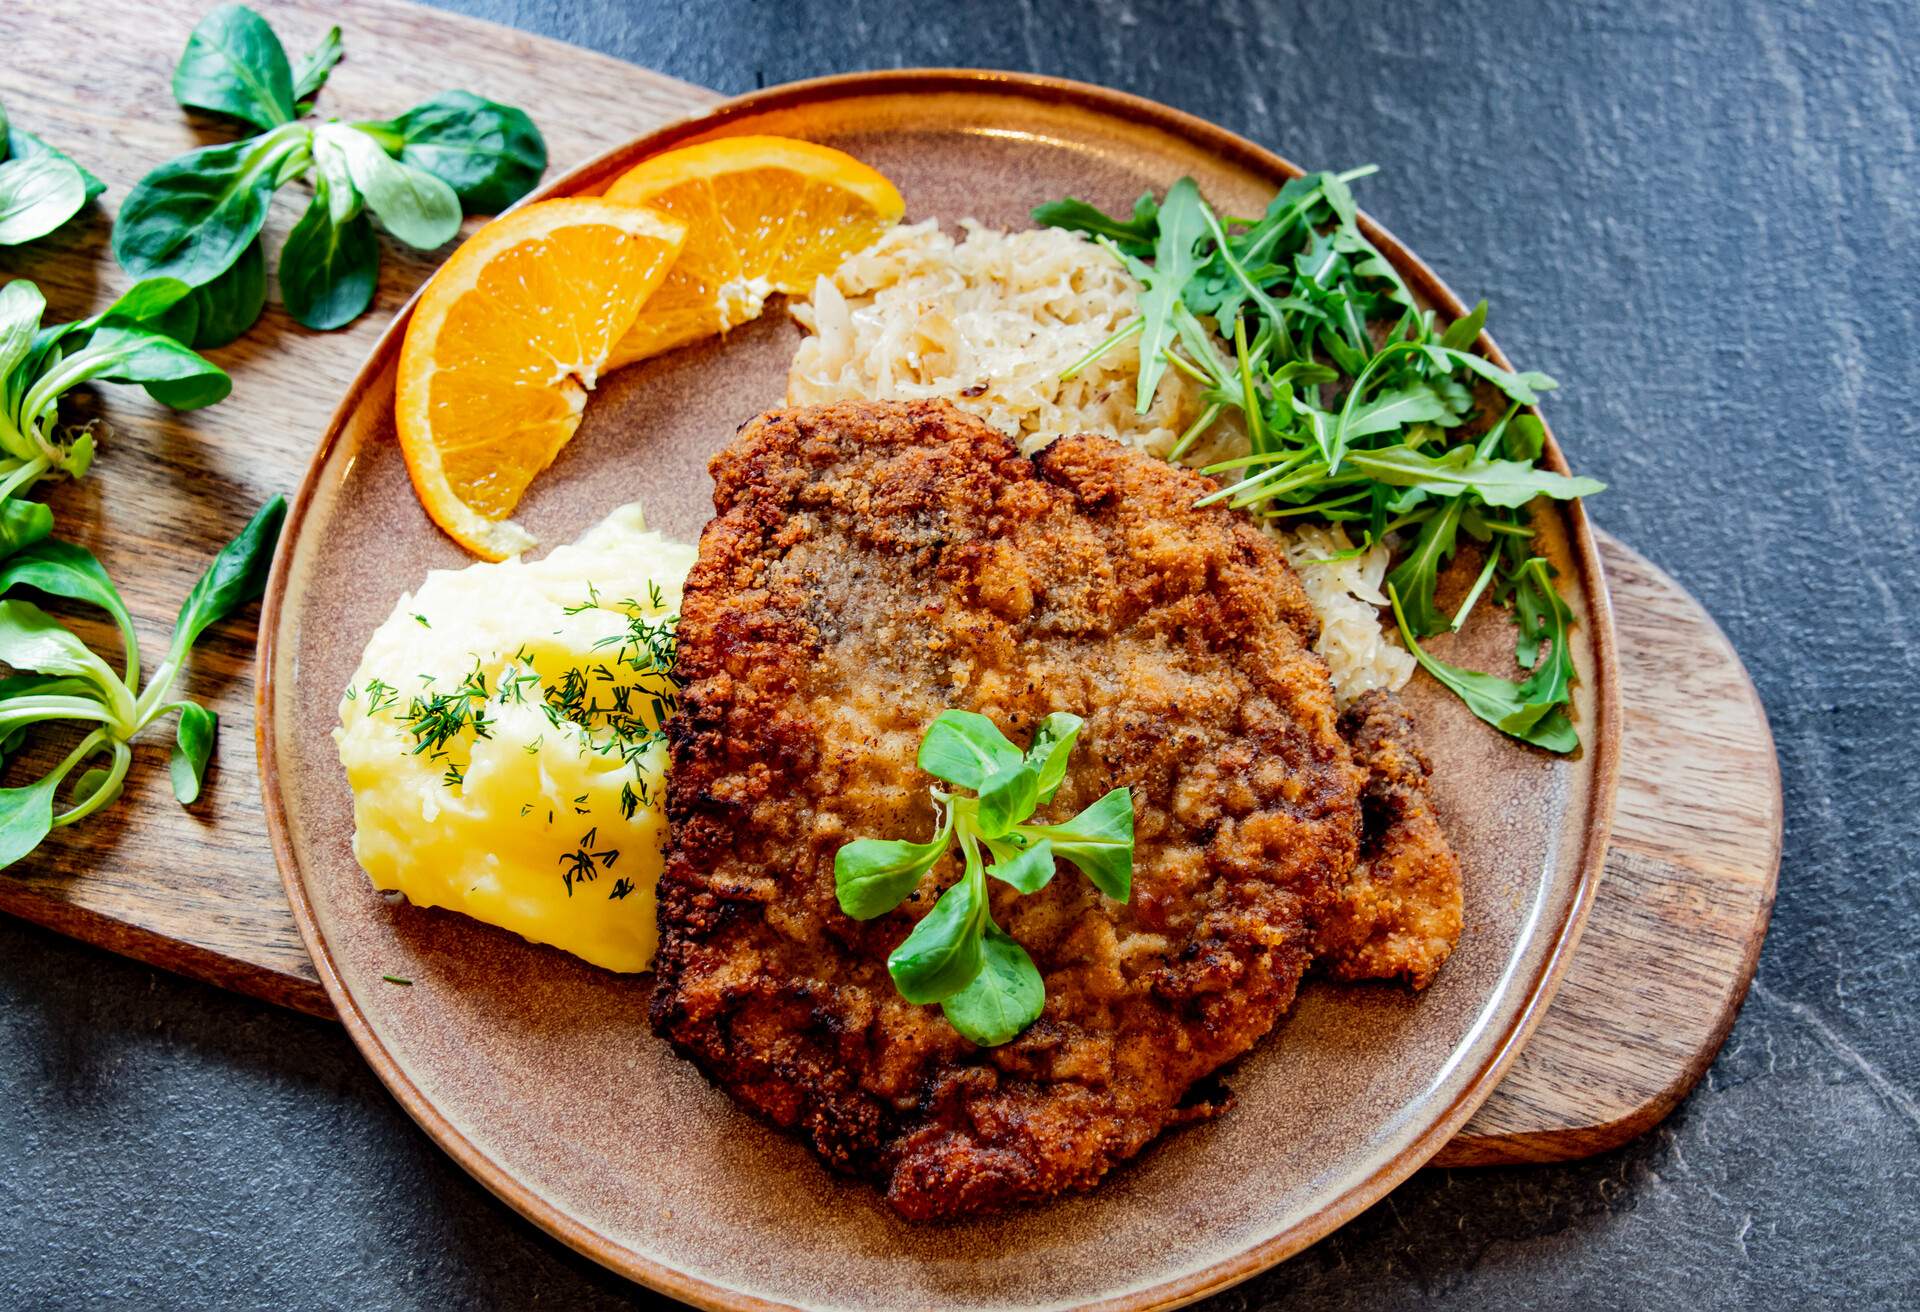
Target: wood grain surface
x=1667 y=952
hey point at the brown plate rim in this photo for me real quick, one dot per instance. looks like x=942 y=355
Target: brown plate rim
x=1209 y=137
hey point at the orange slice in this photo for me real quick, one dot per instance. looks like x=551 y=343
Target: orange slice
x=505 y=344
x=763 y=215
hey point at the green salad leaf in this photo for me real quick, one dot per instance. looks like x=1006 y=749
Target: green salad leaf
x=65 y=681
x=40 y=188
x=235 y=65
x=410 y=203
x=192 y=746
x=17 y=144
x=1358 y=410
x=1004 y=996
x=955 y=955
x=311 y=73
x=330 y=265
x=40 y=364
x=37 y=195
x=965 y=748
x=198 y=218
x=192 y=217
x=489 y=153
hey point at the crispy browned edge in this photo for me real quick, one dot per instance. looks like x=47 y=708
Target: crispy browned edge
x=1604 y=742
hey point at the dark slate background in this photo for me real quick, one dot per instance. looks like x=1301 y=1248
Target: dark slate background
x=1703 y=220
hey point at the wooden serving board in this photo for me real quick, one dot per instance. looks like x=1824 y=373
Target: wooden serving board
x=1689 y=879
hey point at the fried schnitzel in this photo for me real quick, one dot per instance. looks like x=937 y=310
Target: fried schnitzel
x=870 y=565
x=1399 y=912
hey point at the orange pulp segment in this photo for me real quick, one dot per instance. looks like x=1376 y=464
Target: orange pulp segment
x=504 y=345
x=763 y=215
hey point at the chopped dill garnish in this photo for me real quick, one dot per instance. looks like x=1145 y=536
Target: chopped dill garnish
x=437 y=720
x=513 y=685
x=580 y=863
x=421 y=620
x=380 y=696
x=621 y=887
x=397 y=979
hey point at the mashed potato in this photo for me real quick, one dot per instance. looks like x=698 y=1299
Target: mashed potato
x=502 y=740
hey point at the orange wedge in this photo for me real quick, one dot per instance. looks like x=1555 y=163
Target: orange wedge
x=505 y=344
x=763 y=215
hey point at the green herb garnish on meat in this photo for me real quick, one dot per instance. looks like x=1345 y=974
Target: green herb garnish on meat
x=1356 y=405
x=198 y=218
x=984 y=981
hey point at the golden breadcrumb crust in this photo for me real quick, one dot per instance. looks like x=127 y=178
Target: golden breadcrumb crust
x=870 y=565
x=1399 y=914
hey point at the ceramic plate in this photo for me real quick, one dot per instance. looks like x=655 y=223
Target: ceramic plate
x=539 y=1074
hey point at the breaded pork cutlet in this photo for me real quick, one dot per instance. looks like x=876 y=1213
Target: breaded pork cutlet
x=871 y=565
x=1399 y=913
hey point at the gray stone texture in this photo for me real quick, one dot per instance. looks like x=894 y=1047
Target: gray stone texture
x=1703 y=220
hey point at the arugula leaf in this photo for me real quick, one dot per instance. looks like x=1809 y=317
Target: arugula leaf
x=1508 y=483
x=1003 y=999
x=410 y=203
x=1524 y=388
x=37 y=195
x=237 y=576
x=1135 y=236
x=235 y=65
x=1545 y=618
x=872 y=876
x=1525 y=438
x=1181 y=228
x=1388 y=411
x=1462 y=333
x=193 y=744
x=1523 y=711
x=490 y=154
x=1418 y=572
x=315 y=65
x=1099 y=841
x=1349 y=396
x=943 y=954
x=1052 y=746
x=964 y=747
